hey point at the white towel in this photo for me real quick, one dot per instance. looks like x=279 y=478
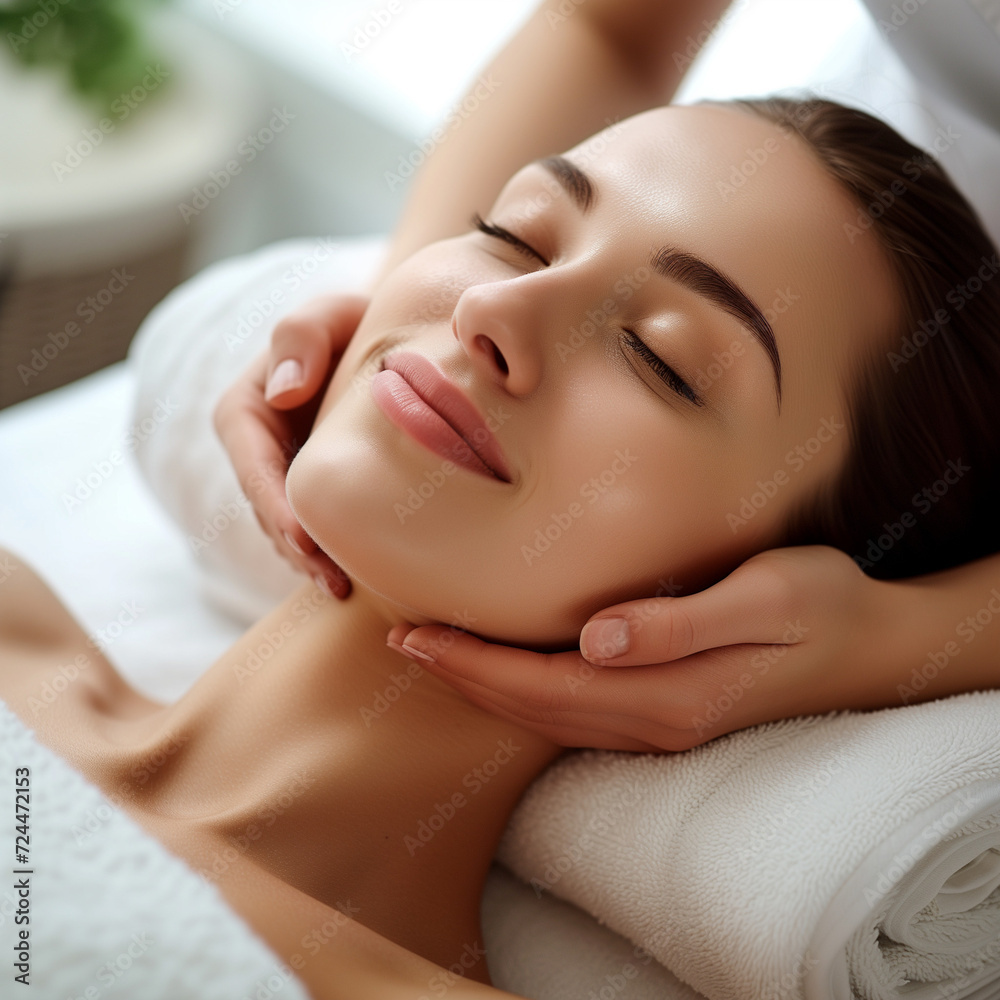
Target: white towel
x=108 y=910
x=855 y=854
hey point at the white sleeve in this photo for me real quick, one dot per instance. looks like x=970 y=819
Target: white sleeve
x=951 y=46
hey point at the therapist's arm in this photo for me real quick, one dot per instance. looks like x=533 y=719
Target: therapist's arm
x=561 y=78
x=792 y=631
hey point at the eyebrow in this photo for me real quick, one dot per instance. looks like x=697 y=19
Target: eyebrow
x=574 y=181
x=681 y=266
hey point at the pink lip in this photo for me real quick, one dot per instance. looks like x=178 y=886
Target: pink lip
x=418 y=399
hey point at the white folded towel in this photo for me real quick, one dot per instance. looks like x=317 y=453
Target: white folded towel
x=109 y=911
x=855 y=854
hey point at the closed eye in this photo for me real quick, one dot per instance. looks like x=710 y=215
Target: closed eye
x=490 y=229
x=654 y=361
x=662 y=369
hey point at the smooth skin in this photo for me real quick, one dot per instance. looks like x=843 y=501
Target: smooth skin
x=246 y=777
x=698 y=665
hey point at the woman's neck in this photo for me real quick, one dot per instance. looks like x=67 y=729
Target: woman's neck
x=344 y=768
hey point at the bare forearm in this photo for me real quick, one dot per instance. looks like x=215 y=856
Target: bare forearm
x=951 y=631
x=563 y=77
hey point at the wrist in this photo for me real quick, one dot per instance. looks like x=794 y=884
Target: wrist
x=937 y=643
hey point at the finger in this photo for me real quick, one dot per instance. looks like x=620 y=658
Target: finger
x=329 y=577
x=567 y=731
x=754 y=604
x=325 y=573
x=543 y=685
x=606 y=732
x=256 y=439
x=257 y=445
x=306 y=344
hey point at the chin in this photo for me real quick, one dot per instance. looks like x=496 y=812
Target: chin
x=441 y=564
x=342 y=488
x=330 y=492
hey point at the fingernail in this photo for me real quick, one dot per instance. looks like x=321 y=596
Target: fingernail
x=605 y=638
x=419 y=655
x=323 y=585
x=396 y=646
x=294 y=545
x=288 y=375
x=339 y=582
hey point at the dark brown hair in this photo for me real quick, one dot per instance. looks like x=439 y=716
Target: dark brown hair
x=920 y=487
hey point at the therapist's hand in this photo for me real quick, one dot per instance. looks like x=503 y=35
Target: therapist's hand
x=266 y=415
x=792 y=631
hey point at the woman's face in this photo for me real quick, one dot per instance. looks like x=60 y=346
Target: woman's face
x=626 y=467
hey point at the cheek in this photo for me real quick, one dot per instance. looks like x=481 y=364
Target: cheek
x=621 y=512
x=434 y=539
x=410 y=298
x=614 y=500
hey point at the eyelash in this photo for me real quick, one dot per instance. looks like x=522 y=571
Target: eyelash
x=665 y=372
x=662 y=369
x=507 y=236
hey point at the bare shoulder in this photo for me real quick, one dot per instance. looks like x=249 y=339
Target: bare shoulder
x=40 y=640
x=30 y=613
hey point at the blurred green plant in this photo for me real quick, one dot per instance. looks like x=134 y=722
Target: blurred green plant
x=101 y=44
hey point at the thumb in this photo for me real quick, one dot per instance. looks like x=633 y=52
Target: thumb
x=748 y=606
x=306 y=346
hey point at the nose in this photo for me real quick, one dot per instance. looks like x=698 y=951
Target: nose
x=503 y=325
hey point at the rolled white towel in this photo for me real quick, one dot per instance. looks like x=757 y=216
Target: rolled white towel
x=855 y=854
